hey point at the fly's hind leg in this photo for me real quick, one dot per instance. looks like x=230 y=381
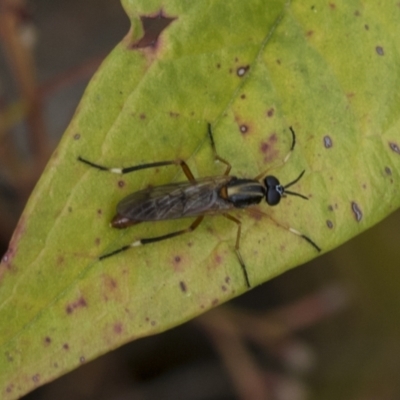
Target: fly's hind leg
x=239 y=256
x=141 y=242
x=256 y=212
x=127 y=170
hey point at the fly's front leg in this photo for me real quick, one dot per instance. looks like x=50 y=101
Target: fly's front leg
x=127 y=170
x=239 y=256
x=216 y=156
x=141 y=242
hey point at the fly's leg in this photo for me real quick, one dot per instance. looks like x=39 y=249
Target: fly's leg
x=306 y=238
x=264 y=173
x=216 y=156
x=239 y=256
x=256 y=212
x=141 y=242
x=127 y=170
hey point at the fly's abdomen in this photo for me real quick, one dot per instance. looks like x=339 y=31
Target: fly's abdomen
x=244 y=192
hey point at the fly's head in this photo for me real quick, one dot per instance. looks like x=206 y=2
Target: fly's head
x=275 y=190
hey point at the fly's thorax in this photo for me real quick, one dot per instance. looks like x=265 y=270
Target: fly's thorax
x=243 y=192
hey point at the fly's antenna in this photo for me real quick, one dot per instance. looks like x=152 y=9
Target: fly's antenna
x=295 y=181
x=292 y=183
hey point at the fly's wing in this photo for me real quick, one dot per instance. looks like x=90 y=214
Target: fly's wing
x=176 y=200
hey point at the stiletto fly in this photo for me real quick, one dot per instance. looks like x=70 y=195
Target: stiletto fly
x=216 y=195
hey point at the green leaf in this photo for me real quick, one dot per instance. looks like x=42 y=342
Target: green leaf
x=251 y=69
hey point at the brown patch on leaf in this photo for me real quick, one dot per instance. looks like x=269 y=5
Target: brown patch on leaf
x=268 y=149
x=118 y=328
x=153 y=26
x=394 y=147
x=328 y=142
x=80 y=303
x=183 y=286
x=270 y=112
x=356 y=211
x=244 y=128
x=241 y=71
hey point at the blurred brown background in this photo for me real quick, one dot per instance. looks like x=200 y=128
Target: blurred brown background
x=327 y=330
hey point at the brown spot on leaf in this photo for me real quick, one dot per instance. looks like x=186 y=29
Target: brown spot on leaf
x=244 y=128
x=174 y=114
x=77 y=136
x=356 y=211
x=268 y=149
x=142 y=116
x=109 y=282
x=328 y=142
x=388 y=171
x=332 y=6
x=66 y=346
x=118 y=328
x=218 y=65
x=271 y=112
x=241 y=71
x=394 y=147
x=71 y=307
x=47 y=340
x=177 y=259
x=183 y=286
x=13 y=246
x=178 y=263
x=110 y=288
x=243 y=96
x=121 y=183
x=152 y=28
x=329 y=223
x=82 y=359
x=357 y=13
x=379 y=50
x=366 y=26
x=309 y=33
x=215 y=302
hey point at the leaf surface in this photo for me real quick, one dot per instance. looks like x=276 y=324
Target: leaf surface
x=251 y=69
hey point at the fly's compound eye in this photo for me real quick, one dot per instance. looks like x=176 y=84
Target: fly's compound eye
x=274 y=190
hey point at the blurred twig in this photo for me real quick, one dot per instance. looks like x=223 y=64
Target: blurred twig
x=231 y=329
